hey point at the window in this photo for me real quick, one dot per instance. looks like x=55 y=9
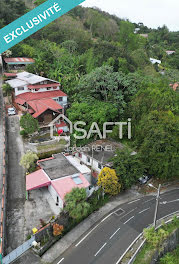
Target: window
x=88 y=159
x=60 y=99
x=48 y=88
x=20 y=89
x=99 y=166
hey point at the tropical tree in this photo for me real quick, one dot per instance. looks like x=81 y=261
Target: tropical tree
x=75 y=203
x=128 y=167
x=7 y=89
x=108 y=181
x=157 y=141
x=28 y=160
x=29 y=124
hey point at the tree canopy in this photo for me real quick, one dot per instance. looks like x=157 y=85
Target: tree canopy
x=29 y=124
x=108 y=181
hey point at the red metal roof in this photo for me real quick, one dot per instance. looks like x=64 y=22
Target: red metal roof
x=31 y=111
x=62 y=124
x=10 y=74
x=19 y=101
x=37 y=180
x=40 y=106
x=38 y=86
x=40 y=95
x=19 y=59
x=66 y=184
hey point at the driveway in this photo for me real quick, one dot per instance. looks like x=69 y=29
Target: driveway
x=22 y=215
x=16 y=187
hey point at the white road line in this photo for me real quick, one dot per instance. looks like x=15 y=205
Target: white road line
x=128 y=213
x=106 y=217
x=166 y=202
x=100 y=249
x=60 y=261
x=129 y=220
x=149 y=200
x=114 y=233
x=86 y=235
x=144 y=210
x=115 y=212
x=133 y=201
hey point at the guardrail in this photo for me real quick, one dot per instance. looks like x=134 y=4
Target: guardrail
x=132 y=249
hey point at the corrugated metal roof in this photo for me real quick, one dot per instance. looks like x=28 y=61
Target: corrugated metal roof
x=36 y=180
x=66 y=184
x=19 y=60
x=40 y=106
x=40 y=95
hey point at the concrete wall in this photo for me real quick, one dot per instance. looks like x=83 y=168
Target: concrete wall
x=3 y=174
x=54 y=195
x=169 y=245
x=84 y=159
x=20 y=92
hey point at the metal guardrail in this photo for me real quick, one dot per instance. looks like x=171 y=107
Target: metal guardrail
x=158 y=226
x=16 y=253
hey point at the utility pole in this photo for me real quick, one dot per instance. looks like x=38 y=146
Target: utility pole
x=92 y=163
x=156 y=206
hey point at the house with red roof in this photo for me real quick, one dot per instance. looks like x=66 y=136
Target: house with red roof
x=17 y=63
x=59 y=174
x=39 y=96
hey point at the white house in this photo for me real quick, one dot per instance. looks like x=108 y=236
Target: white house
x=60 y=174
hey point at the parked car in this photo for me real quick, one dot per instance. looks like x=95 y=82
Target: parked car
x=144 y=179
x=11 y=111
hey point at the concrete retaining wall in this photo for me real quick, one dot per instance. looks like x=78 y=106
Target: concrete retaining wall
x=169 y=245
x=4 y=186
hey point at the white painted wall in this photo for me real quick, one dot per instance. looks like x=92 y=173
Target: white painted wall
x=45 y=89
x=54 y=195
x=84 y=159
x=21 y=91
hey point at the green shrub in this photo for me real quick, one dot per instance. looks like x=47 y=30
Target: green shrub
x=23 y=133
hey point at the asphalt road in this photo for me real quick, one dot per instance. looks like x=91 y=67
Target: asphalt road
x=107 y=241
x=16 y=187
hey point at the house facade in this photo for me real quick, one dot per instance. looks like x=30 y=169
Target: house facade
x=60 y=174
x=17 y=63
x=39 y=96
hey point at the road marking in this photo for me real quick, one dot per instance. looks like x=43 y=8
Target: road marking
x=129 y=220
x=106 y=217
x=150 y=200
x=115 y=212
x=60 y=261
x=86 y=236
x=100 y=249
x=144 y=210
x=114 y=233
x=166 y=202
x=133 y=201
x=128 y=213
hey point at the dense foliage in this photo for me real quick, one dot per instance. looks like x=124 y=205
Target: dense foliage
x=75 y=203
x=108 y=181
x=29 y=124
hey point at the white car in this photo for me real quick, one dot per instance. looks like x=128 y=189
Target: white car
x=11 y=111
